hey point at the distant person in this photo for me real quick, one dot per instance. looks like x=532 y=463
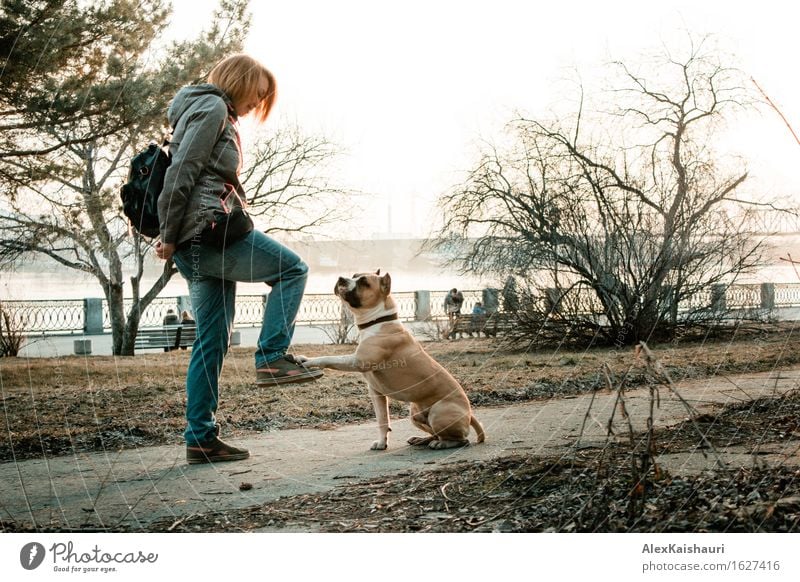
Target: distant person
x=478 y=319
x=171 y=318
x=452 y=304
x=211 y=239
x=510 y=295
x=186 y=319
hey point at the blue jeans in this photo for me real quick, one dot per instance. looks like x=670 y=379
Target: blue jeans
x=212 y=275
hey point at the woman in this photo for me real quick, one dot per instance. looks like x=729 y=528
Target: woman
x=205 y=231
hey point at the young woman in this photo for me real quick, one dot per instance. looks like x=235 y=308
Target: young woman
x=205 y=230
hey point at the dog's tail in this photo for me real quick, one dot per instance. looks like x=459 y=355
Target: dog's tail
x=474 y=423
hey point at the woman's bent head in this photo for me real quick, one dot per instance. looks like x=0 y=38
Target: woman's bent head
x=249 y=84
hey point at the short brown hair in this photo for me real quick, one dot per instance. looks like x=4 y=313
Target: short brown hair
x=239 y=76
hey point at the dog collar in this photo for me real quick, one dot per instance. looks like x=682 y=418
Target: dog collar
x=389 y=317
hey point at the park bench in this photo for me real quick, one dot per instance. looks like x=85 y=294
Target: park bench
x=167 y=337
x=490 y=324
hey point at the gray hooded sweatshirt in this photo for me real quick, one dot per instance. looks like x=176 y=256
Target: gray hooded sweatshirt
x=203 y=179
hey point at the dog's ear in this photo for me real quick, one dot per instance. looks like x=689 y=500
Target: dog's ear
x=378 y=272
x=386 y=284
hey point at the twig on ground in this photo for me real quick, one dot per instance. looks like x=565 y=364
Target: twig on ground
x=8 y=513
x=727 y=379
x=178 y=522
x=585 y=418
x=145 y=494
x=446 y=498
x=656 y=367
x=103 y=486
x=638 y=474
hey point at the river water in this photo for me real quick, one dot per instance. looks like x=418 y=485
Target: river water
x=59 y=282
x=67 y=284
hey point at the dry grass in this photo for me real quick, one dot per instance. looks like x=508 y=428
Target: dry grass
x=524 y=494
x=71 y=403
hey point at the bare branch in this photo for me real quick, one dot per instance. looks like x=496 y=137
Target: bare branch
x=642 y=226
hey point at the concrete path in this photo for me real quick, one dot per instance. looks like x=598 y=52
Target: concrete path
x=135 y=487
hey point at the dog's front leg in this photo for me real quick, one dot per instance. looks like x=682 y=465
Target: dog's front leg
x=347 y=363
x=381 y=405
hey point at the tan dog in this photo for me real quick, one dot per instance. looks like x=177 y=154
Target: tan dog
x=395 y=366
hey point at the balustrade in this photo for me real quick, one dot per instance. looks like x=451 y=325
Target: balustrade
x=75 y=316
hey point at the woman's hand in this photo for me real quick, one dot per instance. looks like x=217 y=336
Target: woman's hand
x=165 y=251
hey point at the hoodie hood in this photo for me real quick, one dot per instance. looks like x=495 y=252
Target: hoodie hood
x=189 y=94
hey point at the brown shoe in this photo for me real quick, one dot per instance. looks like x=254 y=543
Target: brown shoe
x=284 y=371
x=214 y=451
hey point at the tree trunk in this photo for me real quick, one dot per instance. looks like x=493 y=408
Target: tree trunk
x=116 y=310
x=140 y=303
x=131 y=330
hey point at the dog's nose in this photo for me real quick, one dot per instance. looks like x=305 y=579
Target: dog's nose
x=342 y=282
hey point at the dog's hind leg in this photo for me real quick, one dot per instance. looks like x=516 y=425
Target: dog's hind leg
x=444 y=444
x=449 y=424
x=421 y=441
x=419 y=418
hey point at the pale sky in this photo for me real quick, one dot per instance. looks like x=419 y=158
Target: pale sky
x=408 y=89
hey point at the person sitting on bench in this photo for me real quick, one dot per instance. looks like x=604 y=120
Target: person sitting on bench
x=478 y=319
x=186 y=319
x=171 y=318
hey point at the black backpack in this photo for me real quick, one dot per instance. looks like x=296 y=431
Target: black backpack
x=145 y=181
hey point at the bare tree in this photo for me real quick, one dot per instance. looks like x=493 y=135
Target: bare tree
x=287 y=177
x=68 y=134
x=12 y=336
x=61 y=190
x=640 y=211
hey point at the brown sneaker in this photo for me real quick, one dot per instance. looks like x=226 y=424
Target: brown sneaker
x=284 y=371
x=214 y=451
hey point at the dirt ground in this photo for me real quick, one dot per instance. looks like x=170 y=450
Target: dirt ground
x=62 y=405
